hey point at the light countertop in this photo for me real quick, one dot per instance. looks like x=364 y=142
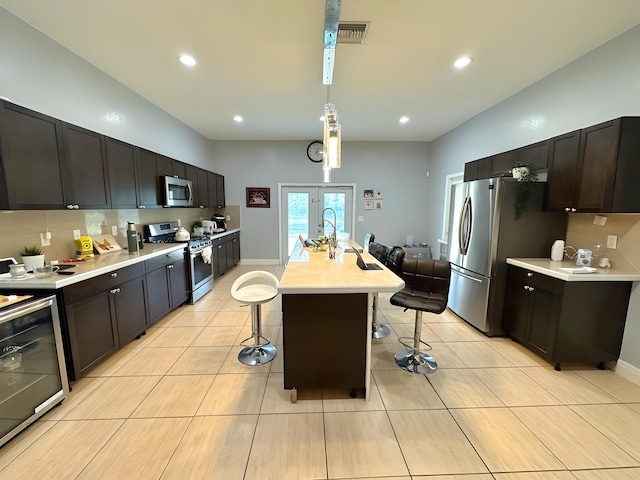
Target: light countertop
x=553 y=269
x=101 y=264
x=313 y=272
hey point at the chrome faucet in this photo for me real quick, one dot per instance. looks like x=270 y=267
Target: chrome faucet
x=333 y=240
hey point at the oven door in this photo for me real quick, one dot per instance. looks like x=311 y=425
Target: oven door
x=201 y=276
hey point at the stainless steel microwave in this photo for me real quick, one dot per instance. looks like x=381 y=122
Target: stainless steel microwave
x=178 y=192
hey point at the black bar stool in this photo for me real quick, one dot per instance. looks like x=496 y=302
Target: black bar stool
x=426 y=290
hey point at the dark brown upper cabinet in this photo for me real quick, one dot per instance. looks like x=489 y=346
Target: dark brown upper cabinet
x=478 y=169
x=32 y=150
x=502 y=163
x=122 y=174
x=605 y=171
x=220 y=200
x=149 y=187
x=85 y=173
x=536 y=155
x=212 y=188
x=198 y=179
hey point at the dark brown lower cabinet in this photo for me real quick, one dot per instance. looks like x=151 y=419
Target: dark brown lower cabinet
x=167 y=284
x=103 y=314
x=312 y=366
x=226 y=253
x=579 y=322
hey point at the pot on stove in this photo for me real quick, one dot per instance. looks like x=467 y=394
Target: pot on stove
x=182 y=235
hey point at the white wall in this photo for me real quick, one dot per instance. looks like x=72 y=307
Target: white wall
x=601 y=85
x=42 y=75
x=397 y=168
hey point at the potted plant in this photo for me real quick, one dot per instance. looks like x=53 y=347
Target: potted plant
x=32 y=256
x=526 y=176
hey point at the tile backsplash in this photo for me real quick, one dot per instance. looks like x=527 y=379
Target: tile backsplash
x=583 y=233
x=23 y=227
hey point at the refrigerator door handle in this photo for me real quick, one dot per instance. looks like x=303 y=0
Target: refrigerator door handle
x=467 y=276
x=464 y=229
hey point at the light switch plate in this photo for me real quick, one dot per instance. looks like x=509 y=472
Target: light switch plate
x=612 y=241
x=76 y=234
x=44 y=241
x=114 y=230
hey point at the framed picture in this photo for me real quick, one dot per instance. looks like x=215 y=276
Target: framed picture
x=258 y=197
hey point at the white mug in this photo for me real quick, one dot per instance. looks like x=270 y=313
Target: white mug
x=17 y=270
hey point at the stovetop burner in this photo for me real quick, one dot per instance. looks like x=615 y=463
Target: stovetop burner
x=166 y=233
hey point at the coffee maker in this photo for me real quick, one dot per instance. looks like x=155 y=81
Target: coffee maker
x=220 y=223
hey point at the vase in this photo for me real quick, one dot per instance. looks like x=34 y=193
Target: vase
x=32 y=261
x=519 y=172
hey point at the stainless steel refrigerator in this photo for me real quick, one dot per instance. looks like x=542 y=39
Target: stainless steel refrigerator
x=483 y=233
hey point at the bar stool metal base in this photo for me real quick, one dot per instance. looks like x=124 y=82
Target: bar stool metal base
x=415 y=361
x=379 y=330
x=259 y=355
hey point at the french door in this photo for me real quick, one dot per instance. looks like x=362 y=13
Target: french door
x=301 y=213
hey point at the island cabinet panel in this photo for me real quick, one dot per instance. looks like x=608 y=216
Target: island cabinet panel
x=31 y=151
x=306 y=363
x=580 y=322
x=122 y=174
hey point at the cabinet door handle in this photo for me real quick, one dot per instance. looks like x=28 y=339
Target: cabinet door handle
x=114 y=291
x=526 y=287
x=529 y=274
x=567 y=209
x=114 y=274
x=76 y=207
x=70 y=207
x=219 y=246
x=573 y=210
x=169 y=266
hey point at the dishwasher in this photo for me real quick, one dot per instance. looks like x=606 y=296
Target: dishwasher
x=33 y=376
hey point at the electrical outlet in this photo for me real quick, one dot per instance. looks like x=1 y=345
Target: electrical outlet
x=179 y=223
x=44 y=241
x=228 y=218
x=114 y=230
x=76 y=234
x=47 y=235
x=612 y=241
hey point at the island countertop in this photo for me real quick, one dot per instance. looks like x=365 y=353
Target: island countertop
x=313 y=272
x=561 y=270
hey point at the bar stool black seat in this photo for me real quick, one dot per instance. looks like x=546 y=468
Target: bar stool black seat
x=426 y=290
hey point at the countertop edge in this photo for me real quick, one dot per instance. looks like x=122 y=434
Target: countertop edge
x=548 y=267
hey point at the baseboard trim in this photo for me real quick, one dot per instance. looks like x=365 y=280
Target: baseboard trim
x=628 y=371
x=259 y=261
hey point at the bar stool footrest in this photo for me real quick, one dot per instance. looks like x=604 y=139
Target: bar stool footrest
x=268 y=342
x=402 y=340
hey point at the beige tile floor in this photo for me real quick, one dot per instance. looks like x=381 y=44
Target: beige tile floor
x=176 y=404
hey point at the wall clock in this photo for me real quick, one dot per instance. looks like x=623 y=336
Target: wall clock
x=314 y=151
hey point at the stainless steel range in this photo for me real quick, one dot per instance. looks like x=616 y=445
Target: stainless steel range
x=199 y=250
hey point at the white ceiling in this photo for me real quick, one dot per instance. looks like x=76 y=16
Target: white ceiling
x=262 y=59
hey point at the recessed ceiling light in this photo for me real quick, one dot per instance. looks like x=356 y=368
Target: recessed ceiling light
x=462 y=62
x=404 y=119
x=237 y=118
x=187 y=60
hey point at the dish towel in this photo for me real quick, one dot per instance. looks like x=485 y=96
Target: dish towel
x=206 y=255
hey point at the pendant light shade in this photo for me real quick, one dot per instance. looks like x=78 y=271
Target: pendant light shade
x=332 y=138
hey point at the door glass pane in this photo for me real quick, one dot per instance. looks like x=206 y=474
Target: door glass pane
x=336 y=201
x=298 y=218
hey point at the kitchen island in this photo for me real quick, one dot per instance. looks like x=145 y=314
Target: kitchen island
x=565 y=316
x=326 y=318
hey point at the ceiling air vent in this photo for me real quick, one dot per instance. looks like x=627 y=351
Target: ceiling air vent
x=352 y=32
